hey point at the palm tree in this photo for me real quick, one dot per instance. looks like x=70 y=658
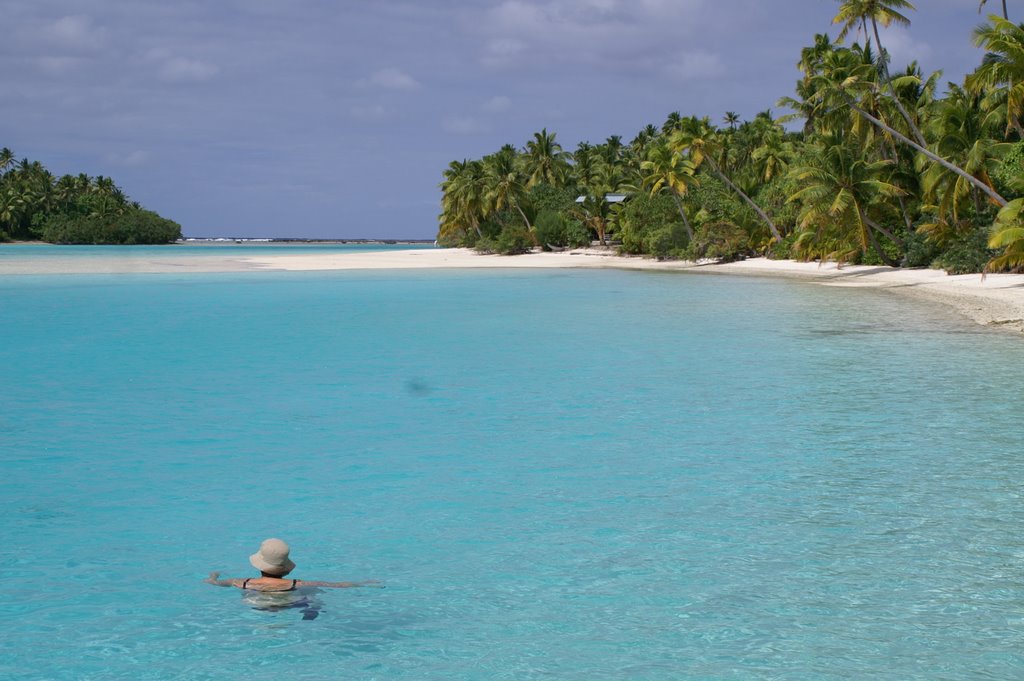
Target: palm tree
x=544 y=160
x=672 y=123
x=981 y=5
x=505 y=185
x=964 y=135
x=1002 y=67
x=843 y=83
x=6 y=160
x=1008 y=234
x=642 y=143
x=666 y=170
x=731 y=118
x=839 y=189
x=860 y=12
x=462 y=199
x=771 y=159
x=700 y=141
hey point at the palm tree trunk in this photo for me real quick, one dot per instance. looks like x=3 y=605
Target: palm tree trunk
x=529 y=227
x=895 y=159
x=875 y=246
x=992 y=194
x=750 y=202
x=682 y=212
x=1005 y=15
x=883 y=230
x=892 y=91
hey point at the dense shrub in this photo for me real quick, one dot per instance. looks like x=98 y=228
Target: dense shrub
x=966 y=255
x=134 y=226
x=513 y=240
x=723 y=241
x=646 y=225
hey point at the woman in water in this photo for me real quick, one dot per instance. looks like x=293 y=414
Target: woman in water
x=274 y=565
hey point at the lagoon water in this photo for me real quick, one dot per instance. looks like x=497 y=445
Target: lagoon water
x=557 y=474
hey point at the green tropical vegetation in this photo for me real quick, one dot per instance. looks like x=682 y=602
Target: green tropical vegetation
x=873 y=164
x=72 y=209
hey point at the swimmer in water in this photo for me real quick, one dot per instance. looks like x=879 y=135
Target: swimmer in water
x=274 y=565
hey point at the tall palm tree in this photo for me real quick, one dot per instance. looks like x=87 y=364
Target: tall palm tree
x=544 y=160
x=505 y=184
x=982 y=3
x=885 y=12
x=844 y=83
x=1002 y=67
x=665 y=170
x=701 y=143
x=731 y=118
x=839 y=189
x=672 y=123
x=462 y=199
x=6 y=159
x=771 y=159
x=966 y=136
x=643 y=142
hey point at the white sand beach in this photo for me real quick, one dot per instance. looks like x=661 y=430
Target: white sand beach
x=996 y=300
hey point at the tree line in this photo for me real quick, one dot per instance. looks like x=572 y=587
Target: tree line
x=885 y=169
x=72 y=209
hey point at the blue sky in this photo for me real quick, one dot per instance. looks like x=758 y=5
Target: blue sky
x=309 y=118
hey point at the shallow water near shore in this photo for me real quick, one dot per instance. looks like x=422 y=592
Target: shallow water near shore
x=558 y=474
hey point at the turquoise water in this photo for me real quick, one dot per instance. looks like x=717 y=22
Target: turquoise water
x=559 y=475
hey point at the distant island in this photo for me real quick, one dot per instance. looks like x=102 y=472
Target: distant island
x=885 y=169
x=73 y=209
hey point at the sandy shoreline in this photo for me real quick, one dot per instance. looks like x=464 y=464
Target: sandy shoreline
x=996 y=301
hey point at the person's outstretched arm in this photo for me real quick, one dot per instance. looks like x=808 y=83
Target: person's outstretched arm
x=341 y=585
x=212 y=579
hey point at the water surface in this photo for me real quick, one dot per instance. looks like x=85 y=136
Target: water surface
x=572 y=474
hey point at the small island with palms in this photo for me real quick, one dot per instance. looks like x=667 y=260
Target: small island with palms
x=72 y=209
x=885 y=170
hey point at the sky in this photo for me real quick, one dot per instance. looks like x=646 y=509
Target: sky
x=320 y=119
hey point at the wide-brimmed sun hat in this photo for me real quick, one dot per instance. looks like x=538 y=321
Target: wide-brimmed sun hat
x=272 y=558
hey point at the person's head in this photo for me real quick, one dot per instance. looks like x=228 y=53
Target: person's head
x=272 y=559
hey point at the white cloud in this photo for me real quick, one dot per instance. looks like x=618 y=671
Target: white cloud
x=75 y=32
x=180 y=69
x=613 y=33
x=391 y=79
x=463 y=125
x=498 y=104
x=695 y=65
x=902 y=47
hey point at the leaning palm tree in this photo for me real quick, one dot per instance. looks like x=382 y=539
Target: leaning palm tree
x=665 y=170
x=839 y=190
x=1002 y=67
x=701 y=144
x=844 y=84
x=505 y=186
x=965 y=136
x=462 y=200
x=859 y=13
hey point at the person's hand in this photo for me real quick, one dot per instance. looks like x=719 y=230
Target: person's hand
x=212 y=578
